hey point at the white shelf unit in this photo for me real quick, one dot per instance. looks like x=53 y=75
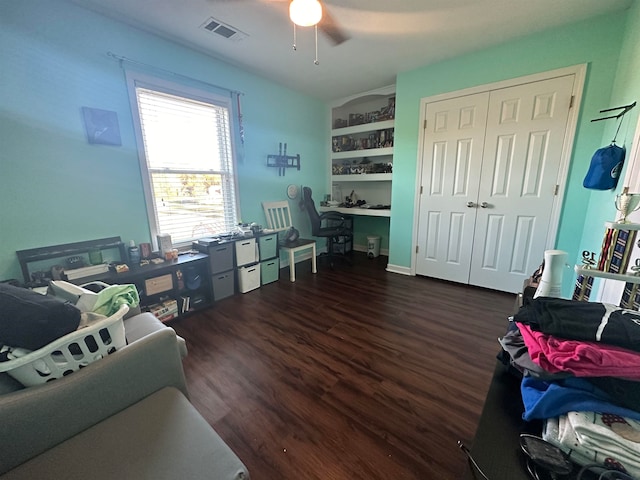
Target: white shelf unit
x=365 y=177
x=369 y=152
x=375 y=188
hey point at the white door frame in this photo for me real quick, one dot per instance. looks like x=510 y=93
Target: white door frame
x=580 y=72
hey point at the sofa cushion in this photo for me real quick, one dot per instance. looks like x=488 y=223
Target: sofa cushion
x=160 y=437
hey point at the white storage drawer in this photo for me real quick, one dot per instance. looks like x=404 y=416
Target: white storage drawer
x=246 y=252
x=249 y=278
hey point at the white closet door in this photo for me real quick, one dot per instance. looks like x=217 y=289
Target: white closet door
x=490 y=165
x=525 y=134
x=452 y=159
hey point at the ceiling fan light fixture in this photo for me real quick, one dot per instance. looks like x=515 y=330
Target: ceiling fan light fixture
x=305 y=13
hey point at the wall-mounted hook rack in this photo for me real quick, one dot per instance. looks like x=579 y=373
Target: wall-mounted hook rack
x=283 y=161
x=624 y=108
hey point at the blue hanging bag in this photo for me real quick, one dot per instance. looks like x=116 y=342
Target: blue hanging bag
x=605 y=168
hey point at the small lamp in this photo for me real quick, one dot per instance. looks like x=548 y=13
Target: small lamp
x=305 y=13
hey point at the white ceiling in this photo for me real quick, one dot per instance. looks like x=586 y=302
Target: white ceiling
x=387 y=36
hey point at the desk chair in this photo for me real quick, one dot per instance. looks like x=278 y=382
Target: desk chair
x=279 y=219
x=331 y=225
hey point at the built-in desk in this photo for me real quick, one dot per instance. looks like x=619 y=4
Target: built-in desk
x=370 y=212
x=366 y=222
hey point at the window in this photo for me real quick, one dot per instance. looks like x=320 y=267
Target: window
x=186 y=159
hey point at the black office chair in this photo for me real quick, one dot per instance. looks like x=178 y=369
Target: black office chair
x=334 y=226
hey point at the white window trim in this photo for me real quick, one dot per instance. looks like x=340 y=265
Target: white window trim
x=138 y=79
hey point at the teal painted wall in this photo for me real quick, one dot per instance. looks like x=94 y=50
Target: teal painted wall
x=595 y=42
x=57 y=188
x=626 y=89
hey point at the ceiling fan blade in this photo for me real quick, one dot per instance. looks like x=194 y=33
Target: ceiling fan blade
x=329 y=26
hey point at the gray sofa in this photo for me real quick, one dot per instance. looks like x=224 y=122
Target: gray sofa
x=126 y=416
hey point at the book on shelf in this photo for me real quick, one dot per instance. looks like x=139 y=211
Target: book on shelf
x=186 y=300
x=166 y=310
x=86 y=271
x=168 y=316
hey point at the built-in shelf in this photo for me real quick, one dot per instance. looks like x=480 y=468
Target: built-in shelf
x=365 y=127
x=364 y=177
x=591 y=272
x=370 y=152
x=370 y=212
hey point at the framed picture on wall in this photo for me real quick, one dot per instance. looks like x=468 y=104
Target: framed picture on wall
x=101 y=126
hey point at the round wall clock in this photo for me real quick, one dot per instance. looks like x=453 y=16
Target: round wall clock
x=292 y=191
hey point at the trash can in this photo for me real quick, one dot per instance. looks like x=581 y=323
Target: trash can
x=373 y=246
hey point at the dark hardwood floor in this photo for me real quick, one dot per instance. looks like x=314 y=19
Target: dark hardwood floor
x=353 y=373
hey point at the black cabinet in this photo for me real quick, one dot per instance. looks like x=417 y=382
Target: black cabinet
x=169 y=289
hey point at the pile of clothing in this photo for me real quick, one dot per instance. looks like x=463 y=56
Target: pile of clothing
x=580 y=363
x=30 y=321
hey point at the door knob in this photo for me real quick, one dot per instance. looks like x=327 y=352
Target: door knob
x=484 y=205
x=471 y=204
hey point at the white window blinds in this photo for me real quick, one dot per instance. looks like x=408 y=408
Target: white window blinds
x=189 y=161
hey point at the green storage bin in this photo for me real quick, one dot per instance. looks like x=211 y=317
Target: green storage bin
x=268 y=245
x=269 y=271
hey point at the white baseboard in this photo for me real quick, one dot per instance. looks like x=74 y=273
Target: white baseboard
x=399 y=269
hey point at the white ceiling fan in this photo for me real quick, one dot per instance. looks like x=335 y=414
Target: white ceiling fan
x=308 y=13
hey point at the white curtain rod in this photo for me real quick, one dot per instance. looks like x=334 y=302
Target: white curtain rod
x=122 y=59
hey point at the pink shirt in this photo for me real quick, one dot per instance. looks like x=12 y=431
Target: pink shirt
x=583 y=359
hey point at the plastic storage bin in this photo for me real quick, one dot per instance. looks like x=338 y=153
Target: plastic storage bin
x=268 y=245
x=224 y=285
x=270 y=271
x=221 y=257
x=69 y=353
x=249 y=278
x=246 y=252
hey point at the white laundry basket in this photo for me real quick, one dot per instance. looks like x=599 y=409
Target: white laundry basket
x=69 y=353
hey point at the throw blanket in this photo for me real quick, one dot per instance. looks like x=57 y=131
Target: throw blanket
x=590 y=437
x=583 y=359
x=589 y=321
x=111 y=298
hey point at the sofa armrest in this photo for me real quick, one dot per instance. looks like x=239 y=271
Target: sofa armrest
x=37 y=418
x=142 y=324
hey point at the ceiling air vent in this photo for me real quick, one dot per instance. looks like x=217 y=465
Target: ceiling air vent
x=227 y=31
